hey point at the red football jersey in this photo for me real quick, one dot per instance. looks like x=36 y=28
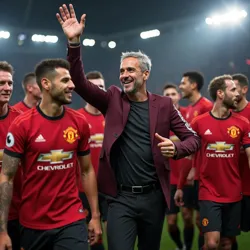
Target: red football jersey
x=21 y=106
x=48 y=148
x=244 y=167
x=96 y=127
x=221 y=139
x=5 y=122
x=175 y=165
x=202 y=106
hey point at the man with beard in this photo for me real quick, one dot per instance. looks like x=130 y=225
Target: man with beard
x=222 y=133
x=51 y=140
x=32 y=93
x=133 y=169
x=7 y=116
x=243 y=108
x=190 y=87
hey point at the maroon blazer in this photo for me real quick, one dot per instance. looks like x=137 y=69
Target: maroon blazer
x=115 y=106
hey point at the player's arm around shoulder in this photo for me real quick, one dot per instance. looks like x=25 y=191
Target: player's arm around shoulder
x=246 y=138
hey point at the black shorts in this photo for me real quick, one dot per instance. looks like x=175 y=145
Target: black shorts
x=196 y=195
x=14 y=233
x=72 y=236
x=220 y=217
x=188 y=194
x=103 y=206
x=245 y=214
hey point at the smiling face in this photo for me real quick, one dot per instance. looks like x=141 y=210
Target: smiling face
x=131 y=76
x=6 y=86
x=60 y=87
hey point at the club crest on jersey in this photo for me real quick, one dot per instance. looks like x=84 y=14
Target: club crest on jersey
x=233 y=131
x=70 y=135
x=195 y=113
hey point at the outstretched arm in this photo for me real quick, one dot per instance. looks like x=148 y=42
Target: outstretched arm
x=73 y=30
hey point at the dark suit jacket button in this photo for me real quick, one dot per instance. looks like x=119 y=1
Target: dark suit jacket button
x=115 y=135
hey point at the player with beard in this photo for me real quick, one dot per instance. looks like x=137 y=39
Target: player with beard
x=51 y=140
x=32 y=93
x=190 y=87
x=7 y=116
x=133 y=168
x=96 y=123
x=171 y=91
x=243 y=108
x=220 y=192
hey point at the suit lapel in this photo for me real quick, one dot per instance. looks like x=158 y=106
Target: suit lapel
x=125 y=109
x=153 y=114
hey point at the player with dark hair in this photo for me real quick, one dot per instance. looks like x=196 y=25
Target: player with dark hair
x=96 y=123
x=172 y=91
x=190 y=87
x=32 y=93
x=7 y=116
x=222 y=133
x=50 y=140
x=243 y=108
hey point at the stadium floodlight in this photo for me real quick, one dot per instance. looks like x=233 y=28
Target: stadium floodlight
x=149 y=34
x=44 y=39
x=88 y=42
x=112 y=44
x=233 y=16
x=4 y=34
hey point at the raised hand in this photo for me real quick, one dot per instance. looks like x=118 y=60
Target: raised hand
x=71 y=27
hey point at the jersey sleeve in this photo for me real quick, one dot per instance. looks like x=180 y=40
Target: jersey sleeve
x=15 y=139
x=246 y=136
x=83 y=146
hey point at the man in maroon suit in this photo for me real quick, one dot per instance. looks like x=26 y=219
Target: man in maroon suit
x=134 y=168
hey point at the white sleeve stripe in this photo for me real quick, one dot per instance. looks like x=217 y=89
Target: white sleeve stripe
x=186 y=123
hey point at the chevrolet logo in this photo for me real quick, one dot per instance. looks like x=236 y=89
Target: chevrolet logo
x=220 y=146
x=1 y=155
x=55 y=156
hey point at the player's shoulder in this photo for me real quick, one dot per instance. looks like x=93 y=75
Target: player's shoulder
x=206 y=102
x=240 y=118
x=25 y=117
x=75 y=113
x=202 y=117
x=14 y=111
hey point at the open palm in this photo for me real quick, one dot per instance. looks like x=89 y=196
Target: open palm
x=67 y=18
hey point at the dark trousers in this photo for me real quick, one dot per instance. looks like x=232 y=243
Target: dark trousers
x=70 y=237
x=131 y=215
x=14 y=233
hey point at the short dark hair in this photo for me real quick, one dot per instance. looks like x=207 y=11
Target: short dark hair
x=47 y=68
x=27 y=79
x=5 y=66
x=170 y=86
x=242 y=79
x=216 y=84
x=94 y=75
x=195 y=76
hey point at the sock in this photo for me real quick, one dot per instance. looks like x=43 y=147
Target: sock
x=235 y=244
x=176 y=237
x=201 y=241
x=188 y=237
